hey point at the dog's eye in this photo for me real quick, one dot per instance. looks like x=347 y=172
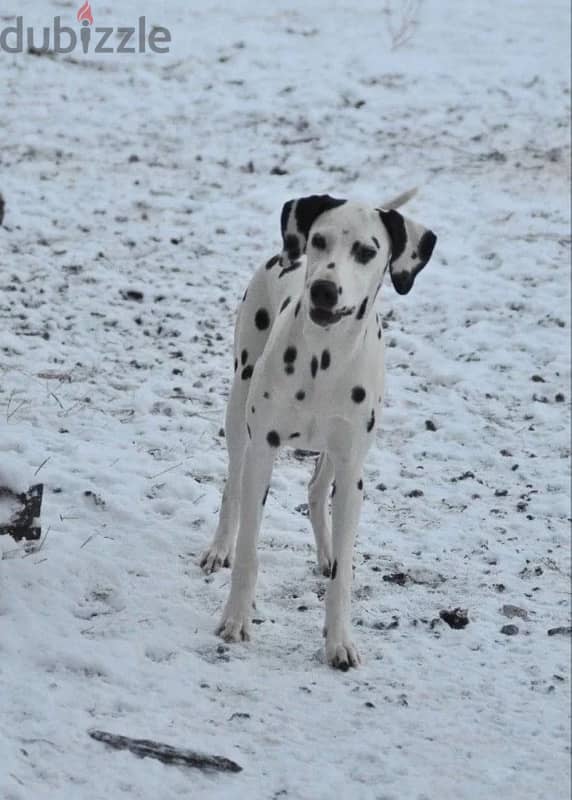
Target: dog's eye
x=362 y=253
x=318 y=241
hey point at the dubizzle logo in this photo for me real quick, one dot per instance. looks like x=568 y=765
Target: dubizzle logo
x=62 y=40
x=84 y=15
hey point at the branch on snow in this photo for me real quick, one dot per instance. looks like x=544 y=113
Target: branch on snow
x=146 y=748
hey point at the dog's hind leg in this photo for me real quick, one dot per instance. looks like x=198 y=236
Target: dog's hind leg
x=318 y=503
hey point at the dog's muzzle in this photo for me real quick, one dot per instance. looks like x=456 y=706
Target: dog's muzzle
x=324 y=297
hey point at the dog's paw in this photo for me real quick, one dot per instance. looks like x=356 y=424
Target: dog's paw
x=234 y=627
x=342 y=653
x=215 y=557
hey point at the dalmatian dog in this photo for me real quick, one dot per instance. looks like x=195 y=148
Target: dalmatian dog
x=308 y=373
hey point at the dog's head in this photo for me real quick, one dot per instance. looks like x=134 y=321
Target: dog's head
x=348 y=247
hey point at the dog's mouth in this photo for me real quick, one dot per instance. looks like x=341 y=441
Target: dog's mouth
x=325 y=316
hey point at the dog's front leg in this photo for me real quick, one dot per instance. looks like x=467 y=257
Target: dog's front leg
x=346 y=507
x=255 y=479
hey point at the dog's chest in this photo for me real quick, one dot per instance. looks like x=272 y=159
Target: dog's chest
x=305 y=386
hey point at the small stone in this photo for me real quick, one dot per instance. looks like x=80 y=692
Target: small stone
x=563 y=630
x=401 y=578
x=132 y=294
x=455 y=618
x=514 y=611
x=430 y=425
x=509 y=630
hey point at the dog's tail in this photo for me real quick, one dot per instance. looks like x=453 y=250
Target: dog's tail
x=401 y=199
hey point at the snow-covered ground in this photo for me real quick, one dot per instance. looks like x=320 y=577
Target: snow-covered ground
x=141 y=191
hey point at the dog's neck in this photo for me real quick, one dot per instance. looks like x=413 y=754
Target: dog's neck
x=346 y=336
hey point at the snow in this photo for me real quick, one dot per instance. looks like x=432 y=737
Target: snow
x=153 y=173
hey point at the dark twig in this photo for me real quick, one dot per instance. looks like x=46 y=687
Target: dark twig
x=164 y=752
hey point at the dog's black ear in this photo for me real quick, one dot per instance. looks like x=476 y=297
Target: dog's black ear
x=411 y=248
x=297 y=218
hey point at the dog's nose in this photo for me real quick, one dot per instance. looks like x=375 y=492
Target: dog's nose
x=324 y=294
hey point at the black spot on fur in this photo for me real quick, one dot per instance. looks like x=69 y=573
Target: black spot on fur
x=371 y=421
x=293 y=266
x=308 y=209
x=247 y=372
x=379 y=333
x=314 y=366
x=262 y=319
x=244 y=357
x=331 y=265
x=285 y=304
x=333 y=488
x=265 y=495
x=426 y=246
x=244 y=296
x=252 y=409
x=318 y=241
x=361 y=309
x=360 y=484
x=325 y=360
x=375 y=241
x=289 y=369
x=300 y=395
x=235 y=364
x=362 y=253
x=294 y=435
x=395 y=226
x=297 y=309
x=273 y=439
x=340 y=290
x=272 y=261
x=249 y=431
x=290 y=355
x=358 y=394
x=334 y=570
x=266 y=395
x=292 y=246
